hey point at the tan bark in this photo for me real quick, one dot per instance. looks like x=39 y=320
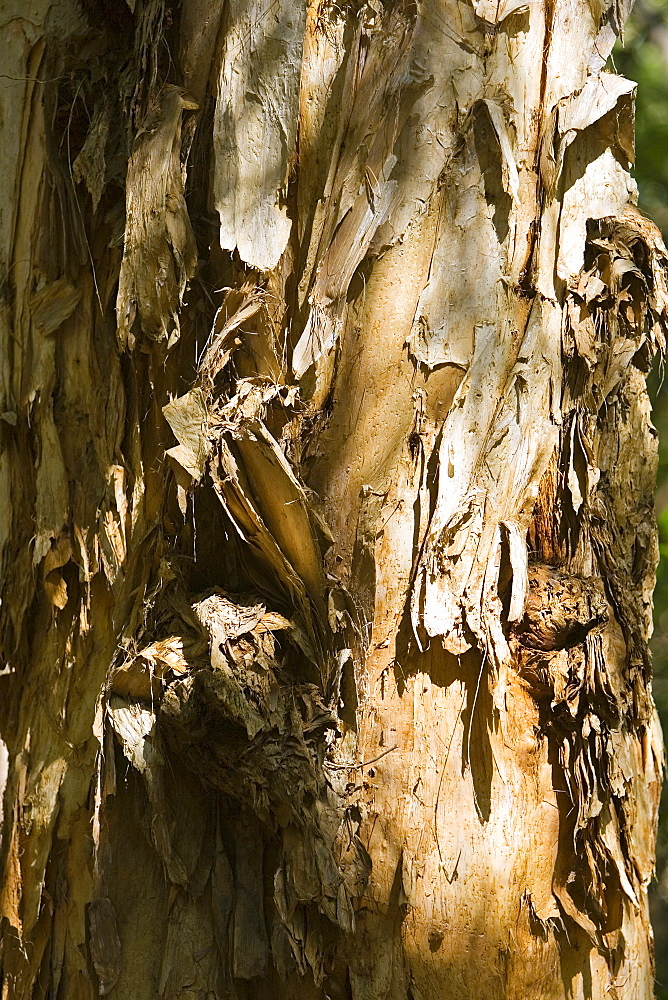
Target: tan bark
x=327 y=542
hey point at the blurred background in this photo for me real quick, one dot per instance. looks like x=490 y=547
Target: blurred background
x=643 y=57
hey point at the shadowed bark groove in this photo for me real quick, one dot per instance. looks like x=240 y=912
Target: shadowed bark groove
x=327 y=541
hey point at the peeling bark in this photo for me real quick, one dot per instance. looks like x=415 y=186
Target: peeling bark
x=327 y=541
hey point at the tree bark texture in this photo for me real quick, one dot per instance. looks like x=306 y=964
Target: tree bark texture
x=327 y=535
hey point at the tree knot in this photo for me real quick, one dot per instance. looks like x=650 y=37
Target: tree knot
x=560 y=609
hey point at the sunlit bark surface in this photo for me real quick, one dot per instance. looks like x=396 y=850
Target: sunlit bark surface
x=326 y=527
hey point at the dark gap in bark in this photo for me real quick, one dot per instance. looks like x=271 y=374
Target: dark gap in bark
x=477 y=719
x=489 y=157
x=348 y=696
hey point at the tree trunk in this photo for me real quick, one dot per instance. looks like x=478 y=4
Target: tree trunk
x=327 y=526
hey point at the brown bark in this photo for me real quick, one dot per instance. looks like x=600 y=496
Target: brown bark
x=327 y=541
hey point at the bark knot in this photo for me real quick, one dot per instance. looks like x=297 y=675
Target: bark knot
x=560 y=609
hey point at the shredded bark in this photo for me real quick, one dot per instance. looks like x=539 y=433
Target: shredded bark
x=326 y=479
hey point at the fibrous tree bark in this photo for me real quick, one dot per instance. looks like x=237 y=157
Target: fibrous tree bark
x=327 y=536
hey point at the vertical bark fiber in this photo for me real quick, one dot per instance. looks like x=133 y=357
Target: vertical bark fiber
x=326 y=531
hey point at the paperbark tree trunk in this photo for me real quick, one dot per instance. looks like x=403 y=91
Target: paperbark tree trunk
x=326 y=522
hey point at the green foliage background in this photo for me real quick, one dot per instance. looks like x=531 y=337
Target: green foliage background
x=643 y=57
